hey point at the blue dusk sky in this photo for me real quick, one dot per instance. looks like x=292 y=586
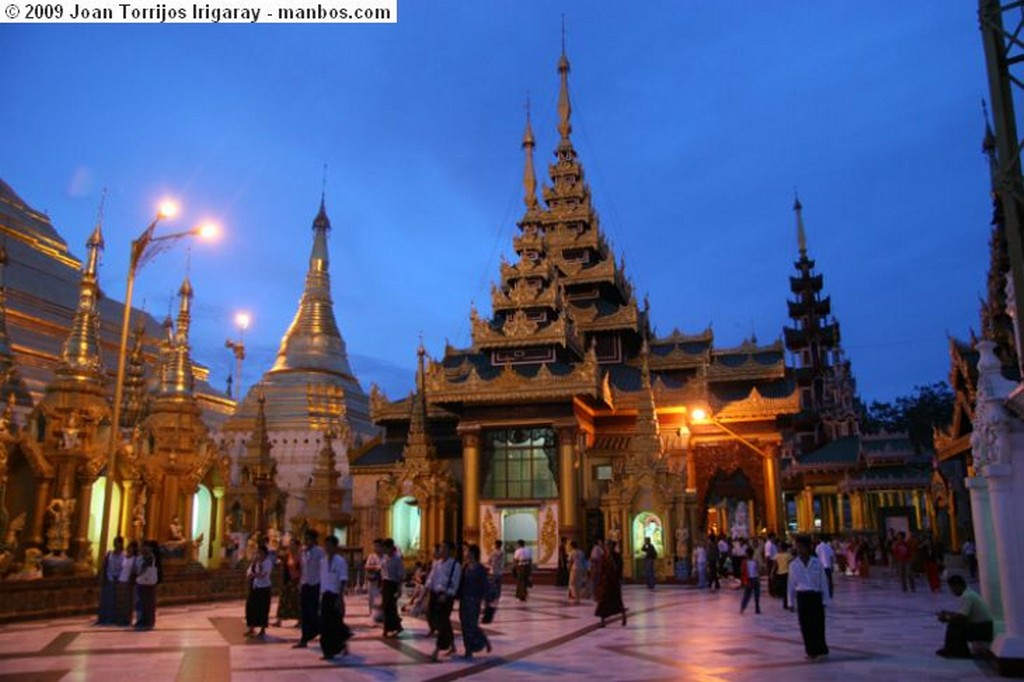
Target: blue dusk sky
x=694 y=122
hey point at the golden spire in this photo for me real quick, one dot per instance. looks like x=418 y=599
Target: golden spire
x=648 y=444
x=259 y=445
x=133 y=405
x=176 y=378
x=418 y=443
x=801 y=236
x=313 y=341
x=564 y=107
x=529 y=177
x=80 y=354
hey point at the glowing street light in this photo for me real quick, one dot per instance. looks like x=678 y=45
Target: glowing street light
x=143 y=249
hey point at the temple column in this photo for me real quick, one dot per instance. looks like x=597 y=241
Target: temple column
x=857 y=510
x=1006 y=509
x=131 y=492
x=188 y=500
x=840 y=513
x=83 y=507
x=568 y=485
x=169 y=507
x=916 y=496
x=217 y=544
x=805 y=510
x=772 y=493
x=471 y=486
x=39 y=511
x=985 y=543
x=153 y=511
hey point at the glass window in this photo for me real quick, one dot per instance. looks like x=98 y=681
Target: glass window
x=520 y=464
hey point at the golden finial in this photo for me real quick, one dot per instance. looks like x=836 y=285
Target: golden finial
x=529 y=177
x=801 y=235
x=95 y=243
x=564 y=107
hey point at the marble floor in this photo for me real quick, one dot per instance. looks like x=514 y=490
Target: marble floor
x=674 y=633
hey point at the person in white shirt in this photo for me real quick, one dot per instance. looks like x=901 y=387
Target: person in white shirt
x=522 y=560
x=827 y=556
x=443 y=584
x=309 y=589
x=124 y=589
x=392 y=573
x=334 y=634
x=751 y=578
x=771 y=550
x=808 y=589
x=145 y=585
x=257 y=604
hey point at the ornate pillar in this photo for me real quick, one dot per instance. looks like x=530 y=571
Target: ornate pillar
x=857 y=510
x=131 y=492
x=772 y=493
x=217 y=543
x=188 y=499
x=840 y=514
x=153 y=510
x=39 y=511
x=82 y=509
x=805 y=510
x=169 y=503
x=471 y=485
x=568 y=485
x=918 y=518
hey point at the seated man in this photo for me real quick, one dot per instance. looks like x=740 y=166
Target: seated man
x=972 y=623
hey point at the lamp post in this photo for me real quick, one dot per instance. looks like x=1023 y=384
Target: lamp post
x=242 y=320
x=143 y=248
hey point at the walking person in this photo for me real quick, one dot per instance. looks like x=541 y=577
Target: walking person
x=291 y=575
x=443 y=584
x=827 y=556
x=577 y=572
x=523 y=566
x=771 y=550
x=714 y=561
x=109 y=574
x=700 y=557
x=562 y=572
x=334 y=634
x=609 y=590
x=257 y=604
x=970 y=554
x=124 y=590
x=751 y=578
x=808 y=589
x=312 y=560
x=496 y=570
x=783 y=558
x=650 y=555
x=902 y=555
x=392 y=574
x=373 y=586
x=473 y=592
x=145 y=585
x=597 y=553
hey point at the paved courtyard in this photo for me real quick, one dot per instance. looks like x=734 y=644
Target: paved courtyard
x=674 y=633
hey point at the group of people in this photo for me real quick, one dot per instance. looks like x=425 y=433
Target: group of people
x=128 y=580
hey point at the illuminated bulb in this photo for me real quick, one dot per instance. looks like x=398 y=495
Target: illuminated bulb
x=208 y=231
x=243 y=320
x=699 y=413
x=168 y=209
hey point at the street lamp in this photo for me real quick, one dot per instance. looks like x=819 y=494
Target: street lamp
x=242 y=321
x=143 y=249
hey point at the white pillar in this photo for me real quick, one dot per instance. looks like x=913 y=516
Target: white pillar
x=985 y=543
x=1005 y=488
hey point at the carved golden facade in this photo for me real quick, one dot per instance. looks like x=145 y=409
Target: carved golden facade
x=566 y=382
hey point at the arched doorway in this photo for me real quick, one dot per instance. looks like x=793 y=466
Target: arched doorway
x=202 y=514
x=405 y=525
x=648 y=525
x=729 y=505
